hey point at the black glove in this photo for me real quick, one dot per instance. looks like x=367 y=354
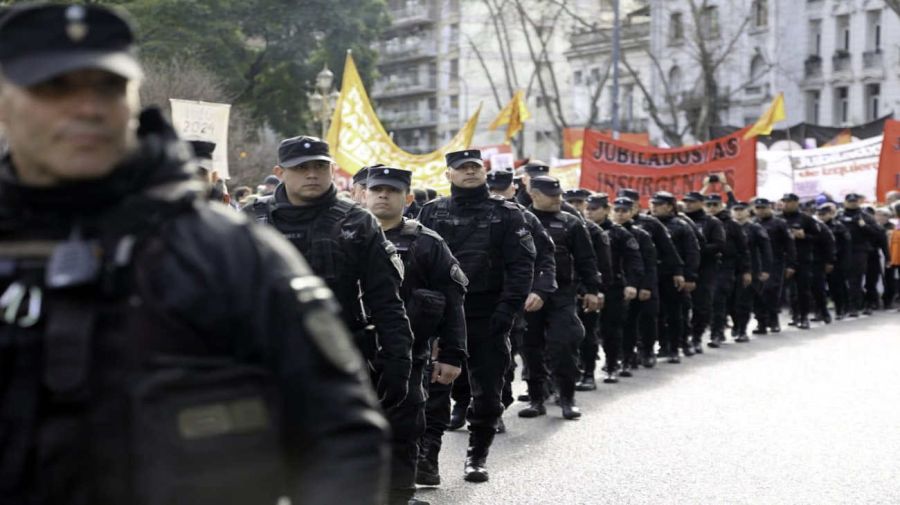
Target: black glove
x=393 y=385
x=501 y=321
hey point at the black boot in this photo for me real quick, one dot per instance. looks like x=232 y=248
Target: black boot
x=688 y=349
x=476 y=457
x=569 y=410
x=612 y=373
x=457 y=416
x=427 y=472
x=587 y=383
x=648 y=360
x=803 y=324
x=697 y=343
x=534 y=409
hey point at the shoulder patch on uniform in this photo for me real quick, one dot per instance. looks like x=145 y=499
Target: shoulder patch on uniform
x=458 y=276
x=527 y=242
x=324 y=329
x=632 y=244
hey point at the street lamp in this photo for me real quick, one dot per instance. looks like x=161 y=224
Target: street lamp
x=323 y=100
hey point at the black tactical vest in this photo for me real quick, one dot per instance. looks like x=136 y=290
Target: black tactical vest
x=474 y=241
x=559 y=230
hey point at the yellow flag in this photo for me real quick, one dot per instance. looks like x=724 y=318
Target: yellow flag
x=514 y=115
x=357 y=137
x=766 y=122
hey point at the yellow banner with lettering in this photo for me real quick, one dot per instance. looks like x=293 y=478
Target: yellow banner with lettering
x=358 y=139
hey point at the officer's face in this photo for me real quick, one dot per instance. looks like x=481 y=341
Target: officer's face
x=507 y=193
x=580 y=206
x=763 y=211
x=713 y=208
x=740 y=214
x=547 y=203
x=597 y=214
x=358 y=193
x=307 y=181
x=77 y=126
x=692 y=206
x=660 y=209
x=825 y=215
x=621 y=215
x=468 y=175
x=790 y=206
x=851 y=204
x=386 y=202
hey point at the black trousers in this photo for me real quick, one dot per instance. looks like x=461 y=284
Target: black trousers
x=725 y=280
x=437 y=411
x=612 y=319
x=873 y=275
x=553 y=336
x=590 y=344
x=701 y=301
x=891 y=285
x=855 y=276
x=461 y=392
x=837 y=288
x=742 y=303
x=801 y=294
x=407 y=422
x=819 y=288
x=515 y=340
x=641 y=328
x=671 y=318
x=767 y=305
x=488 y=363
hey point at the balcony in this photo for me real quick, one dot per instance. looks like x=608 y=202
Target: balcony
x=402 y=86
x=410 y=48
x=757 y=90
x=411 y=14
x=409 y=119
x=813 y=67
x=873 y=59
x=841 y=61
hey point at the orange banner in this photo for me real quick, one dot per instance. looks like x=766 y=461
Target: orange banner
x=573 y=140
x=889 y=164
x=608 y=165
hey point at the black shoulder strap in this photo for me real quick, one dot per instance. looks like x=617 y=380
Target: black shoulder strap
x=326 y=225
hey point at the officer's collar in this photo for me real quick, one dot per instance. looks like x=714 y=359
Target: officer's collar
x=327 y=198
x=475 y=194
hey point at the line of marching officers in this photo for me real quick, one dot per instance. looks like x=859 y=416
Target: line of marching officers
x=440 y=304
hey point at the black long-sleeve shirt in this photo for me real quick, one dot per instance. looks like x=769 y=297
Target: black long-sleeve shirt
x=713 y=235
x=736 y=251
x=686 y=245
x=670 y=262
x=576 y=262
x=760 y=247
x=649 y=280
x=627 y=264
x=784 y=249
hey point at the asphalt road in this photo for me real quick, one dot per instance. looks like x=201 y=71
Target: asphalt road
x=799 y=417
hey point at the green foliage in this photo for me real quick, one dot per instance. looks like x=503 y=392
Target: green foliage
x=266 y=52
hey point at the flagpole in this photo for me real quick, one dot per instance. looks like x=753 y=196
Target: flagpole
x=616 y=48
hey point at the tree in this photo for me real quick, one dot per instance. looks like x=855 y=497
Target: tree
x=894 y=5
x=265 y=53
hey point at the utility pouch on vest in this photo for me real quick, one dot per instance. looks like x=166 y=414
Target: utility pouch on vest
x=425 y=309
x=207 y=436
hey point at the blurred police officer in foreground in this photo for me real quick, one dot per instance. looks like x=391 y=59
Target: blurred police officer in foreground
x=554 y=331
x=804 y=230
x=345 y=246
x=490 y=240
x=620 y=287
x=784 y=264
x=433 y=291
x=155 y=348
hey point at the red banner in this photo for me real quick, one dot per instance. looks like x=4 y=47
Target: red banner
x=573 y=141
x=889 y=164
x=608 y=165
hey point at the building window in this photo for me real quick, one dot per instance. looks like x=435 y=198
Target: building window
x=761 y=13
x=454 y=69
x=709 y=22
x=873 y=19
x=676 y=28
x=576 y=77
x=873 y=101
x=815 y=37
x=843 y=33
x=812 y=106
x=595 y=76
x=842 y=105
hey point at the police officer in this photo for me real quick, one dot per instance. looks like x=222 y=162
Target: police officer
x=621 y=286
x=553 y=331
x=865 y=234
x=500 y=183
x=345 y=246
x=496 y=251
x=132 y=305
x=433 y=291
x=734 y=267
x=358 y=189
x=824 y=258
x=804 y=230
x=837 y=279
x=670 y=268
x=760 y=248
x=713 y=244
x=642 y=310
x=784 y=264
x=672 y=294
x=537 y=168
x=577 y=198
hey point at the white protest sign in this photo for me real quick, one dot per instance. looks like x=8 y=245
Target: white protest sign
x=195 y=120
x=838 y=170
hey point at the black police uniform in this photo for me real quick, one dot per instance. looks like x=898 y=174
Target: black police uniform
x=496 y=251
x=671 y=322
x=554 y=333
x=538 y=169
x=837 y=279
x=345 y=246
x=734 y=263
x=760 y=248
x=864 y=238
x=803 y=275
x=590 y=345
x=642 y=313
x=627 y=271
x=710 y=256
x=824 y=256
x=784 y=256
x=142 y=343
